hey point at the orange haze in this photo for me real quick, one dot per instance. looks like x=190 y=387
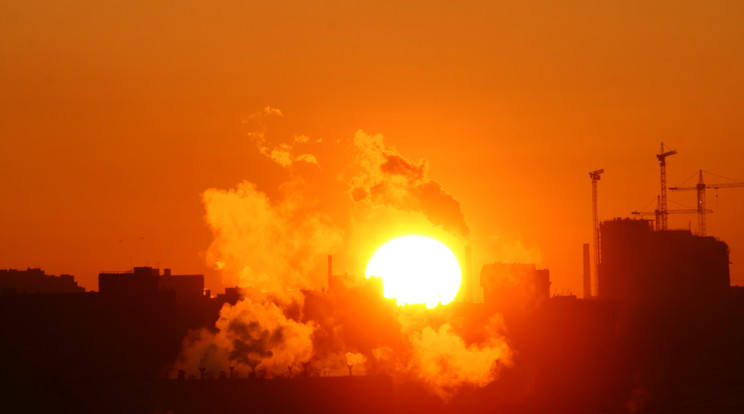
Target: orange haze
x=124 y=125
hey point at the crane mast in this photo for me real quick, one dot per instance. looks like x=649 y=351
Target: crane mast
x=701 y=210
x=701 y=205
x=661 y=156
x=595 y=176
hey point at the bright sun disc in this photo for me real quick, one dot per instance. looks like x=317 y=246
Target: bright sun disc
x=416 y=270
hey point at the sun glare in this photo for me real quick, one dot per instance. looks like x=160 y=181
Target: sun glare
x=416 y=270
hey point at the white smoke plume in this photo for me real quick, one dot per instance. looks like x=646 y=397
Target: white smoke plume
x=276 y=245
x=445 y=363
x=253 y=336
x=270 y=245
x=355 y=361
x=389 y=179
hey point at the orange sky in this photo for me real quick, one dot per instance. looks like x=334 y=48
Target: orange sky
x=115 y=118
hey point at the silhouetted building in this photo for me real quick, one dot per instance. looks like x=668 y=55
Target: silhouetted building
x=185 y=286
x=232 y=296
x=193 y=306
x=131 y=329
x=514 y=286
x=87 y=335
x=140 y=280
x=640 y=264
x=36 y=281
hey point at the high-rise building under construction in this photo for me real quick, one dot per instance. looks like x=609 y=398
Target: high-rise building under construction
x=640 y=264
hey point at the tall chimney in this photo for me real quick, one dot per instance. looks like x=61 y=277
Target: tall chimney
x=587 y=271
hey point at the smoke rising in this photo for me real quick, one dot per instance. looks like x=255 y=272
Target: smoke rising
x=283 y=153
x=275 y=247
x=443 y=360
x=266 y=244
x=355 y=359
x=255 y=335
x=389 y=179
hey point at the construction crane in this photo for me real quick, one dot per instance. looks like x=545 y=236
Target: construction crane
x=701 y=210
x=594 y=175
x=658 y=212
x=661 y=156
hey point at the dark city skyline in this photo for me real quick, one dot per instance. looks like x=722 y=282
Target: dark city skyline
x=369 y=206
x=662 y=335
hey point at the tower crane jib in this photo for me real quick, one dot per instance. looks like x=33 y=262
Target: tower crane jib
x=701 y=210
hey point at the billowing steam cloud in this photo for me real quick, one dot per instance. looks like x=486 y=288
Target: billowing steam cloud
x=270 y=245
x=390 y=179
x=445 y=362
x=355 y=359
x=275 y=248
x=255 y=335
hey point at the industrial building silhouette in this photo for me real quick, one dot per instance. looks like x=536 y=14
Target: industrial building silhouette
x=131 y=328
x=638 y=264
x=511 y=286
x=663 y=335
x=36 y=281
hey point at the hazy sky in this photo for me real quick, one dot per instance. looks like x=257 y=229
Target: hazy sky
x=115 y=118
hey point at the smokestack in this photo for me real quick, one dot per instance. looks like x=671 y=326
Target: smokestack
x=587 y=276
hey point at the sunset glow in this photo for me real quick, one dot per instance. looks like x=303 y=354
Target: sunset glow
x=372 y=206
x=416 y=270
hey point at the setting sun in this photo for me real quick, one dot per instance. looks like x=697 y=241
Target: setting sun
x=416 y=270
